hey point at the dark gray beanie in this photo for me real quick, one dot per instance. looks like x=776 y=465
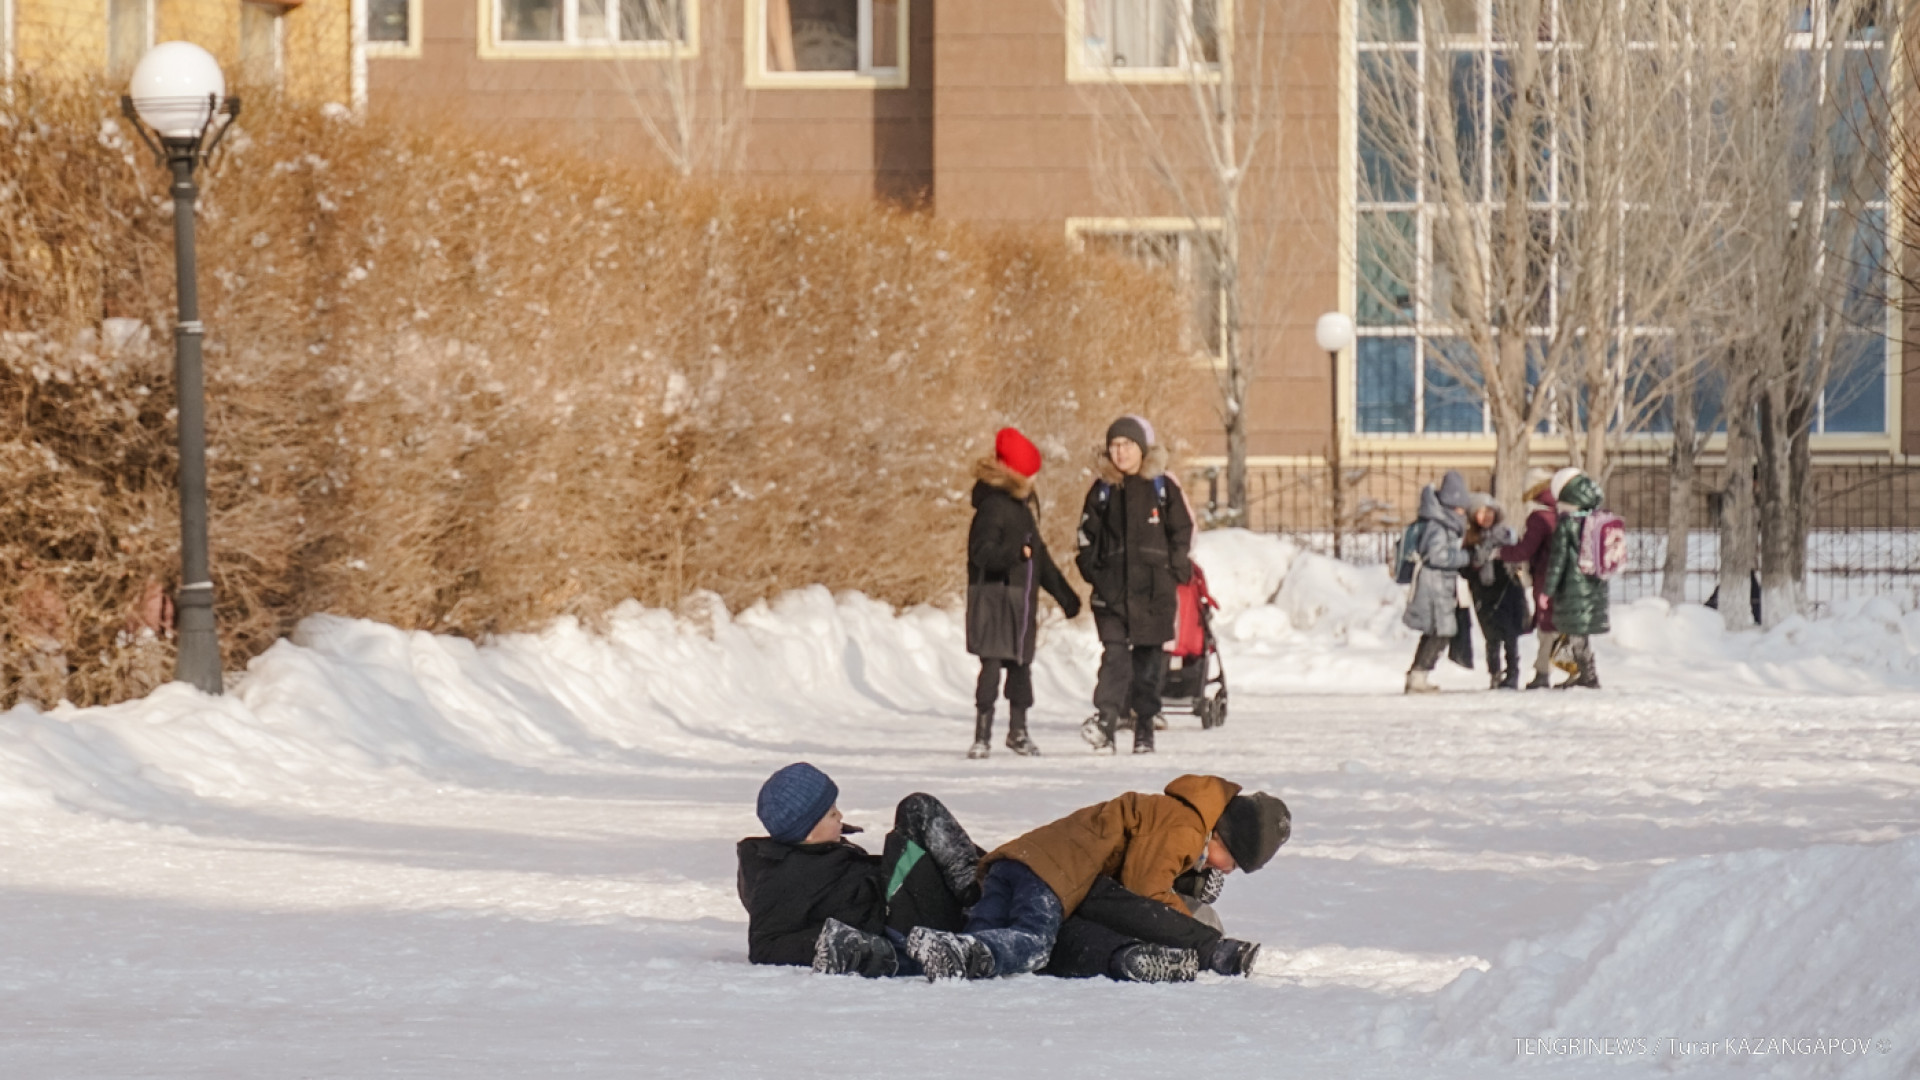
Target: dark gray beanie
x=793 y=801
x=1134 y=428
x=1253 y=827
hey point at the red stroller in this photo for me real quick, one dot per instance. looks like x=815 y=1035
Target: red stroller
x=1195 y=675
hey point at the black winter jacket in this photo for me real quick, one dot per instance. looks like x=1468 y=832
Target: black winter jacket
x=1003 y=584
x=1135 y=543
x=791 y=890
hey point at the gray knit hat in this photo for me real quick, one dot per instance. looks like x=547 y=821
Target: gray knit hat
x=1134 y=428
x=1253 y=827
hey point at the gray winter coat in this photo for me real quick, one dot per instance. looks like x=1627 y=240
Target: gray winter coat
x=1434 y=595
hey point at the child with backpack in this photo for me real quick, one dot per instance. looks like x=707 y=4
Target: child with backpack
x=1499 y=600
x=1589 y=545
x=1135 y=539
x=1434 y=598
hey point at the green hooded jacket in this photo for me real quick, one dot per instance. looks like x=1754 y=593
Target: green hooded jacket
x=1579 y=600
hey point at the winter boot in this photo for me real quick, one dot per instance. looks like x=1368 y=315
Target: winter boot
x=1541 y=681
x=1421 y=682
x=982 y=734
x=1154 y=964
x=1098 y=731
x=1017 y=739
x=1496 y=680
x=947 y=955
x=843 y=950
x=1511 y=681
x=1143 y=735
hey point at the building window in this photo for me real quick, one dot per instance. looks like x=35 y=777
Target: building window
x=393 y=27
x=1182 y=249
x=828 y=42
x=559 y=29
x=1410 y=356
x=129 y=35
x=1143 y=40
x=260 y=44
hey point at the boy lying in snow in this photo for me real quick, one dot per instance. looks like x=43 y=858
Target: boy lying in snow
x=1144 y=844
x=813 y=897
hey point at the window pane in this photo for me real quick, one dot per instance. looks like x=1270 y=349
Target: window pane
x=1464 y=86
x=1142 y=33
x=1857 y=391
x=1866 y=303
x=1383 y=391
x=1800 y=90
x=1856 y=137
x=817 y=35
x=1386 y=260
x=886 y=34
x=1451 y=389
x=1386 y=20
x=1388 y=104
x=127 y=36
x=649 y=20
x=387 y=20
x=260 y=44
x=530 y=20
x=1204 y=47
x=590 y=21
x=1460 y=16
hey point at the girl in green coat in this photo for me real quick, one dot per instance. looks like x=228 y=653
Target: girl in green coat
x=1579 y=600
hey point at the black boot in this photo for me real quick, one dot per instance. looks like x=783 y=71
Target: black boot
x=843 y=950
x=1143 y=735
x=1141 y=962
x=1017 y=740
x=982 y=734
x=1098 y=730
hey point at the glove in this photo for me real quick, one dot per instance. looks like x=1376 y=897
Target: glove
x=1070 y=606
x=1203 y=885
x=1230 y=957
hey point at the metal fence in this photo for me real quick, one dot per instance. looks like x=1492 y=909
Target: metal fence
x=1865 y=539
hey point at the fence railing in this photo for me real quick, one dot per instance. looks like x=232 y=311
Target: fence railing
x=1865 y=539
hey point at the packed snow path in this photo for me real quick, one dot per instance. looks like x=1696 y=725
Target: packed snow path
x=393 y=855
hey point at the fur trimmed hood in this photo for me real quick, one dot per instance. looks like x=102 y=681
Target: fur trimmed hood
x=993 y=473
x=1152 y=464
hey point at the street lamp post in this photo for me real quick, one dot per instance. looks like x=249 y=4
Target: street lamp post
x=1333 y=333
x=176 y=96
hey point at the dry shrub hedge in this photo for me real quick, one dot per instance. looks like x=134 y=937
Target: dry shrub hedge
x=467 y=387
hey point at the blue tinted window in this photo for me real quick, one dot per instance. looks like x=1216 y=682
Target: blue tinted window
x=1452 y=405
x=1387 y=102
x=1384 y=388
x=1857 y=390
x=1384 y=291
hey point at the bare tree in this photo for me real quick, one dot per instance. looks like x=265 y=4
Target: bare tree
x=1187 y=143
x=690 y=100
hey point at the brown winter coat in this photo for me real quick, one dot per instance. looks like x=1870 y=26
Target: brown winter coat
x=1143 y=840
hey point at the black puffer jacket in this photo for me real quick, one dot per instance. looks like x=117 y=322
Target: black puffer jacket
x=1003 y=599
x=791 y=890
x=1135 y=541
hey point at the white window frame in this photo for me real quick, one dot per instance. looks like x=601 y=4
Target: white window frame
x=494 y=47
x=107 y=9
x=1183 y=229
x=394 y=50
x=278 y=13
x=1081 y=68
x=867 y=77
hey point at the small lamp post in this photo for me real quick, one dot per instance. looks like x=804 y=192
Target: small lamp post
x=1333 y=333
x=176 y=98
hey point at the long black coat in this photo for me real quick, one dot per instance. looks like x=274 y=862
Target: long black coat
x=791 y=890
x=1135 y=547
x=1003 y=584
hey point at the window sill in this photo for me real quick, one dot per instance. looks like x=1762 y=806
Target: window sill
x=555 y=50
x=393 y=50
x=826 y=80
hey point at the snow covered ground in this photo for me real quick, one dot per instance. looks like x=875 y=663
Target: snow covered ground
x=391 y=855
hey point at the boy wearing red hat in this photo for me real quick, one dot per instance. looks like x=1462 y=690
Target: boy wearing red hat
x=1007 y=565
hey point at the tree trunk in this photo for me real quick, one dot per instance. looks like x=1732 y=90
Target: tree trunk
x=1803 y=512
x=1739 y=539
x=1683 y=462
x=1774 y=508
x=1512 y=441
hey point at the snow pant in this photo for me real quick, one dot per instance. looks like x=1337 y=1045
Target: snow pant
x=1130 y=679
x=929 y=865
x=986 y=692
x=1017 y=919
x=1427 y=654
x=1112 y=918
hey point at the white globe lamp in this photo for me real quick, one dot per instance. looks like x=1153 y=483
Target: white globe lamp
x=1333 y=332
x=176 y=89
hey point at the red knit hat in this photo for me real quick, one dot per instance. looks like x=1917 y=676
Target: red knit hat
x=1016 y=452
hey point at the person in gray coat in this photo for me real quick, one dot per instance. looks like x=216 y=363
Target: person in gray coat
x=1434 y=597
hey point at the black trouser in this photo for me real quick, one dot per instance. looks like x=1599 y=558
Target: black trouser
x=1499 y=647
x=929 y=867
x=1112 y=918
x=1019 y=684
x=1130 y=678
x=1428 y=653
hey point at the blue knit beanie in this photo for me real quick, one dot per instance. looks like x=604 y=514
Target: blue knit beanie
x=793 y=801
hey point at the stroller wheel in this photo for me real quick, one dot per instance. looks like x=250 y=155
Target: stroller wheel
x=1218 y=707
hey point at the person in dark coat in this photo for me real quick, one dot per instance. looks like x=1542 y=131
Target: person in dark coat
x=1135 y=542
x=1434 y=596
x=1532 y=551
x=1579 y=600
x=1499 y=600
x=1007 y=566
x=815 y=898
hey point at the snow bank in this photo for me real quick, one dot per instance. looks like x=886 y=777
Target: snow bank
x=1749 y=955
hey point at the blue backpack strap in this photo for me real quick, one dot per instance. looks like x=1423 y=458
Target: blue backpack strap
x=1160 y=489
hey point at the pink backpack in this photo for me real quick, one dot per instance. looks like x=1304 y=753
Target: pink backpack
x=1603 y=544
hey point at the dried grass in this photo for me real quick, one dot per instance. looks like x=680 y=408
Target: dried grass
x=469 y=388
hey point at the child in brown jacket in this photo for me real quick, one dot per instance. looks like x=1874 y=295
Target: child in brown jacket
x=1144 y=842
